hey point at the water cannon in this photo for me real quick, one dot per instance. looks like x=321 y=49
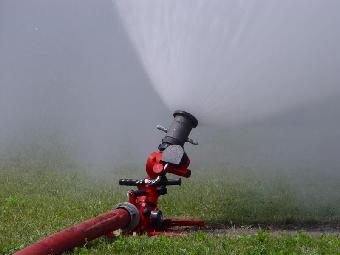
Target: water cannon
x=170 y=158
x=140 y=215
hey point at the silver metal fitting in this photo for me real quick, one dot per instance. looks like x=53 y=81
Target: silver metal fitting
x=161 y=128
x=134 y=215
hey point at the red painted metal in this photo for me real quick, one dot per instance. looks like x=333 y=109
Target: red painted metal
x=173 y=223
x=154 y=166
x=147 y=203
x=79 y=234
x=166 y=234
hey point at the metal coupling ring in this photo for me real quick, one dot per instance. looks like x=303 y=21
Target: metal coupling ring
x=134 y=215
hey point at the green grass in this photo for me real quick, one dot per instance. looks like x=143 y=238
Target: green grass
x=201 y=243
x=35 y=202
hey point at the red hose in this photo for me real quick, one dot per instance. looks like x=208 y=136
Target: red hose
x=79 y=234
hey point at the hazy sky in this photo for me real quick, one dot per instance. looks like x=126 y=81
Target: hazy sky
x=70 y=78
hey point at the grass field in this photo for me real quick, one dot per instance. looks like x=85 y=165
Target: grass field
x=37 y=201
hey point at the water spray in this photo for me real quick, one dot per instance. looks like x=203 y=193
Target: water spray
x=140 y=215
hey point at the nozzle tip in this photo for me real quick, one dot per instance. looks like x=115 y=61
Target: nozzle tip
x=187 y=115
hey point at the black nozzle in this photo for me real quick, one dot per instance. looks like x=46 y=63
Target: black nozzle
x=179 y=130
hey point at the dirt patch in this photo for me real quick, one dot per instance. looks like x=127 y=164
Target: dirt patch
x=233 y=230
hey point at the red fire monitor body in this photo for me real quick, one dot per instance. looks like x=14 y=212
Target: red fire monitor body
x=145 y=198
